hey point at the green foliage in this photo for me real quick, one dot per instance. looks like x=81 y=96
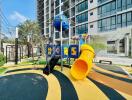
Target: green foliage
x=98 y=43
x=98 y=46
x=24 y=57
x=9 y=40
x=2 y=59
x=29 y=27
x=42 y=62
x=25 y=63
x=2 y=70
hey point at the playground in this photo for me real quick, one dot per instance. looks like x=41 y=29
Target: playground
x=69 y=73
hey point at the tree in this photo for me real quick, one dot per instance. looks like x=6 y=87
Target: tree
x=29 y=28
x=26 y=28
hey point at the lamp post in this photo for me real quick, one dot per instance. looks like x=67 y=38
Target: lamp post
x=16 y=46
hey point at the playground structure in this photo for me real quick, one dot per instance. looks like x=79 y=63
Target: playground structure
x=82 y=65
x=80 y=68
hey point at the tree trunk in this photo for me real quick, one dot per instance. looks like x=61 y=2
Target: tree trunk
x=42 y=48
x=29 y=49
x=43 y=41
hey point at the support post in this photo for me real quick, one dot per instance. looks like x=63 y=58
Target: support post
x=61 y=44
x=16 y=47
x=127 y=45
x=131 y=42
x=28 y=45
x=6 y=55
x=118 y=46
x=69 y=60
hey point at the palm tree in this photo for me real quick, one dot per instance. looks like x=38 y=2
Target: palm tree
x=32 y=28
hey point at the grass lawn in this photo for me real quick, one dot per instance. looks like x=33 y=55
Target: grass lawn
x=25 y=63
x=2 y=70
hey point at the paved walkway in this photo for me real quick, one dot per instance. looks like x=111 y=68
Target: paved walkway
x=9 y=64
x=115 y=58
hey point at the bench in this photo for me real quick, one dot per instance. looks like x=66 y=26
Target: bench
x=110 y=62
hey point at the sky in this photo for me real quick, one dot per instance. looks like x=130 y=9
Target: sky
x=17 y=11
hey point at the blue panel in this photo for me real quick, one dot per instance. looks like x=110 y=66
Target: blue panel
x=58 y=50
x=65 y=51
x=73 y=51
x=49 y=50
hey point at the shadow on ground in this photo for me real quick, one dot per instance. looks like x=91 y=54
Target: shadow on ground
x=25 y=86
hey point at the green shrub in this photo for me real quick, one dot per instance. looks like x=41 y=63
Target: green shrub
x=98 y=46
x=2 y=59
x=2 y=70
x=42 y=62
x=24 y=57
x=39 y=62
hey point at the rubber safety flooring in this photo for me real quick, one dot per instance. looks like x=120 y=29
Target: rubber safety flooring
x=26 y=83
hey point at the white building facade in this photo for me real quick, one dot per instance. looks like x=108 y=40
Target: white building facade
x=110 y=18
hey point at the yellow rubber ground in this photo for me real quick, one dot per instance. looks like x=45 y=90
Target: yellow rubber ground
x=85 y=89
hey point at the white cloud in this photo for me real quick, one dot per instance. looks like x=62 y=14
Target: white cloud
x=16 y=16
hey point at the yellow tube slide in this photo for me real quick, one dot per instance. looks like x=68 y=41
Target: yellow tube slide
x=81 y=67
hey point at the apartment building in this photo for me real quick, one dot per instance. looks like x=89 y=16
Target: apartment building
x=109 y=18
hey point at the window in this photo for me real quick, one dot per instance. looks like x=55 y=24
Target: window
x=99 y=10
x=47 y=30
x=91 y=13
x=113 y=22
x=103 y=9
x=123 y=4
x=107 y=9
x=108 y=24
x=129 y=3
x=57 y=35
x=77 y=30
x=86 y=4
x=57 y=3
x=113 y=7
x=86 y=16
x=57 y=11
x=91 y=26
x=91 y=1
x=119 y=5
x=129 y=18
x=86 y=28
x=123 y=19
x=104 y=24
x=82 y=6
x=82 y=29
x=82 y=17
x=119 y=21
x=100 y=25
